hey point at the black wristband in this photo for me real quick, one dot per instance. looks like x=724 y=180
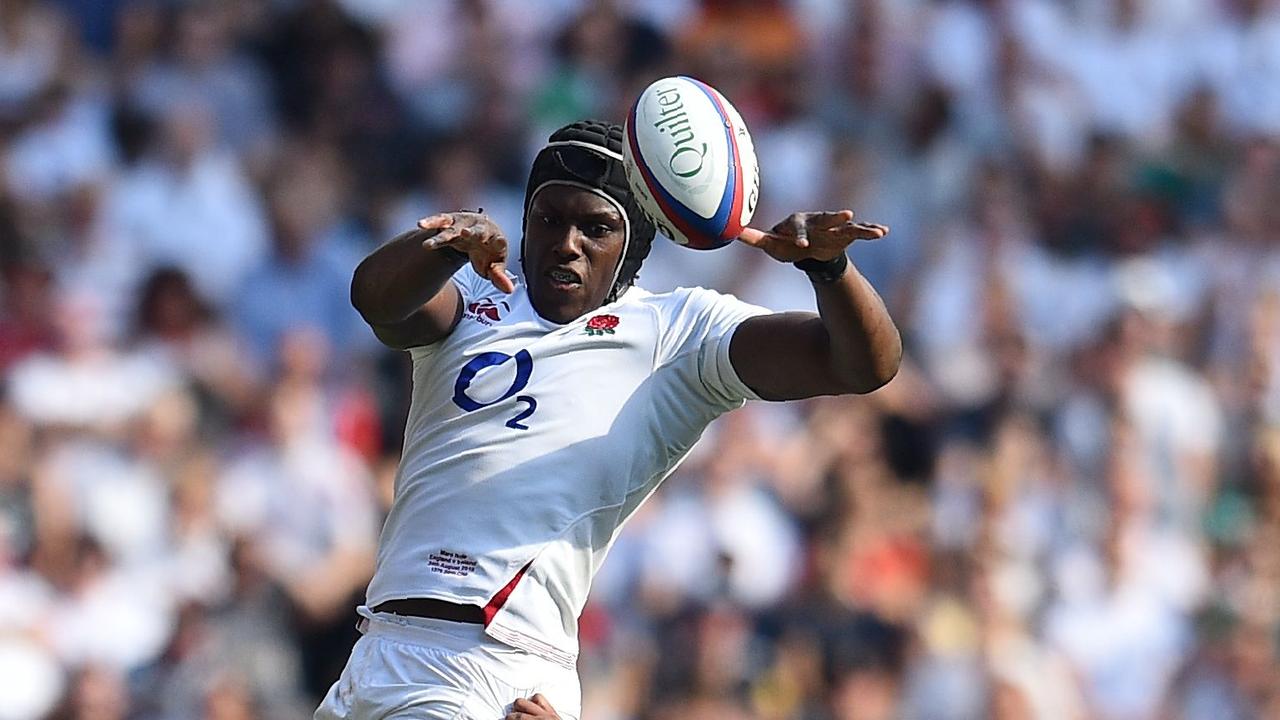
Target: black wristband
x=824 y=272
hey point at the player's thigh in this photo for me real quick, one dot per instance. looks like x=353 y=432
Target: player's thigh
x=339 y=702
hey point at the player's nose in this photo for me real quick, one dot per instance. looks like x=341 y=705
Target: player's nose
x=568 y=244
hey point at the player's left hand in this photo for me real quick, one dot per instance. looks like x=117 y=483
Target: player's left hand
x=531 y=709
x=818 y=235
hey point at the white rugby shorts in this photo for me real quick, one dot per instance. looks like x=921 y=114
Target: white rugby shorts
x=425 y=669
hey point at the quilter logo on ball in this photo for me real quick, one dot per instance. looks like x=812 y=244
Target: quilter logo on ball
x=688 y=155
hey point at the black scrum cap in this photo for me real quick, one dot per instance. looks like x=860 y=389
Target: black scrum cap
x=588 y=155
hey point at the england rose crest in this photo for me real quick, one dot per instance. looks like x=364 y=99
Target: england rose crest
x=602 y=324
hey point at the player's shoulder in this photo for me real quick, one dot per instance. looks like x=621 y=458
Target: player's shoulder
x=687 y=313
x=691 y=301
x=679 y=298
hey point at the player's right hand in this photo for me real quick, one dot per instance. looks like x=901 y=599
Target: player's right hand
x=478 y=236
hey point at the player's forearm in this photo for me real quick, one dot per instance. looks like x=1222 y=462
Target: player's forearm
x=865 y=347
x=398 y=278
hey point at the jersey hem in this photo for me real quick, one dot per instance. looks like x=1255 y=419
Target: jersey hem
x=532 y=645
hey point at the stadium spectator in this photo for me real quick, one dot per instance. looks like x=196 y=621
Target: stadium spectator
x=1067 y=505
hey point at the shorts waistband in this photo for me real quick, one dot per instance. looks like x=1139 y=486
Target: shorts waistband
x=429 y=632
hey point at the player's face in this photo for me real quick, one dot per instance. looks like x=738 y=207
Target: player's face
x=573 y=243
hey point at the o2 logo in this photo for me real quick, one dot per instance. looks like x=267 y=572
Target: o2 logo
x=524 y=368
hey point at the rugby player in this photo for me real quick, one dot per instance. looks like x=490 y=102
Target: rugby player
x=549 y=401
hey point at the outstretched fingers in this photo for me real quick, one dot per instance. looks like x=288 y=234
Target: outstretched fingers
x=436 y=222
x=770 y=240
x=815 y=234
x=849 y=231
x=754 y=237
x=827 y=220
x=476 y=236
x=442 y=239
x=448 y=235
x=870 y=231
x=497 y=274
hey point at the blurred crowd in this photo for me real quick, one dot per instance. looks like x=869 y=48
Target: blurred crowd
x=1066 y=506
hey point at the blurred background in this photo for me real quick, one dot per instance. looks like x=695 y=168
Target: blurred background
x=1067 y=505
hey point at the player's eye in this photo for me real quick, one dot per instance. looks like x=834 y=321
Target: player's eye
x=546 y=219
x=599 y=230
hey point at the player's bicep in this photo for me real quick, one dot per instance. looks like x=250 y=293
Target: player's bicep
x=431 y=323
x=784 y=356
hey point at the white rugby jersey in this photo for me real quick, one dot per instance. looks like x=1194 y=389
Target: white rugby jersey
x=529 y=443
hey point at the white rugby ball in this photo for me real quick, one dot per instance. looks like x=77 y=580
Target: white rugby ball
x=690 y=163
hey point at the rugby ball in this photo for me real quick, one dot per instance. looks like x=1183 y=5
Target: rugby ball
x=690 y=163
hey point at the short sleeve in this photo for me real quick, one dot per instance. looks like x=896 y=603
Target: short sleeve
x=471 y=287
x=697 y=326
x=470 y=284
